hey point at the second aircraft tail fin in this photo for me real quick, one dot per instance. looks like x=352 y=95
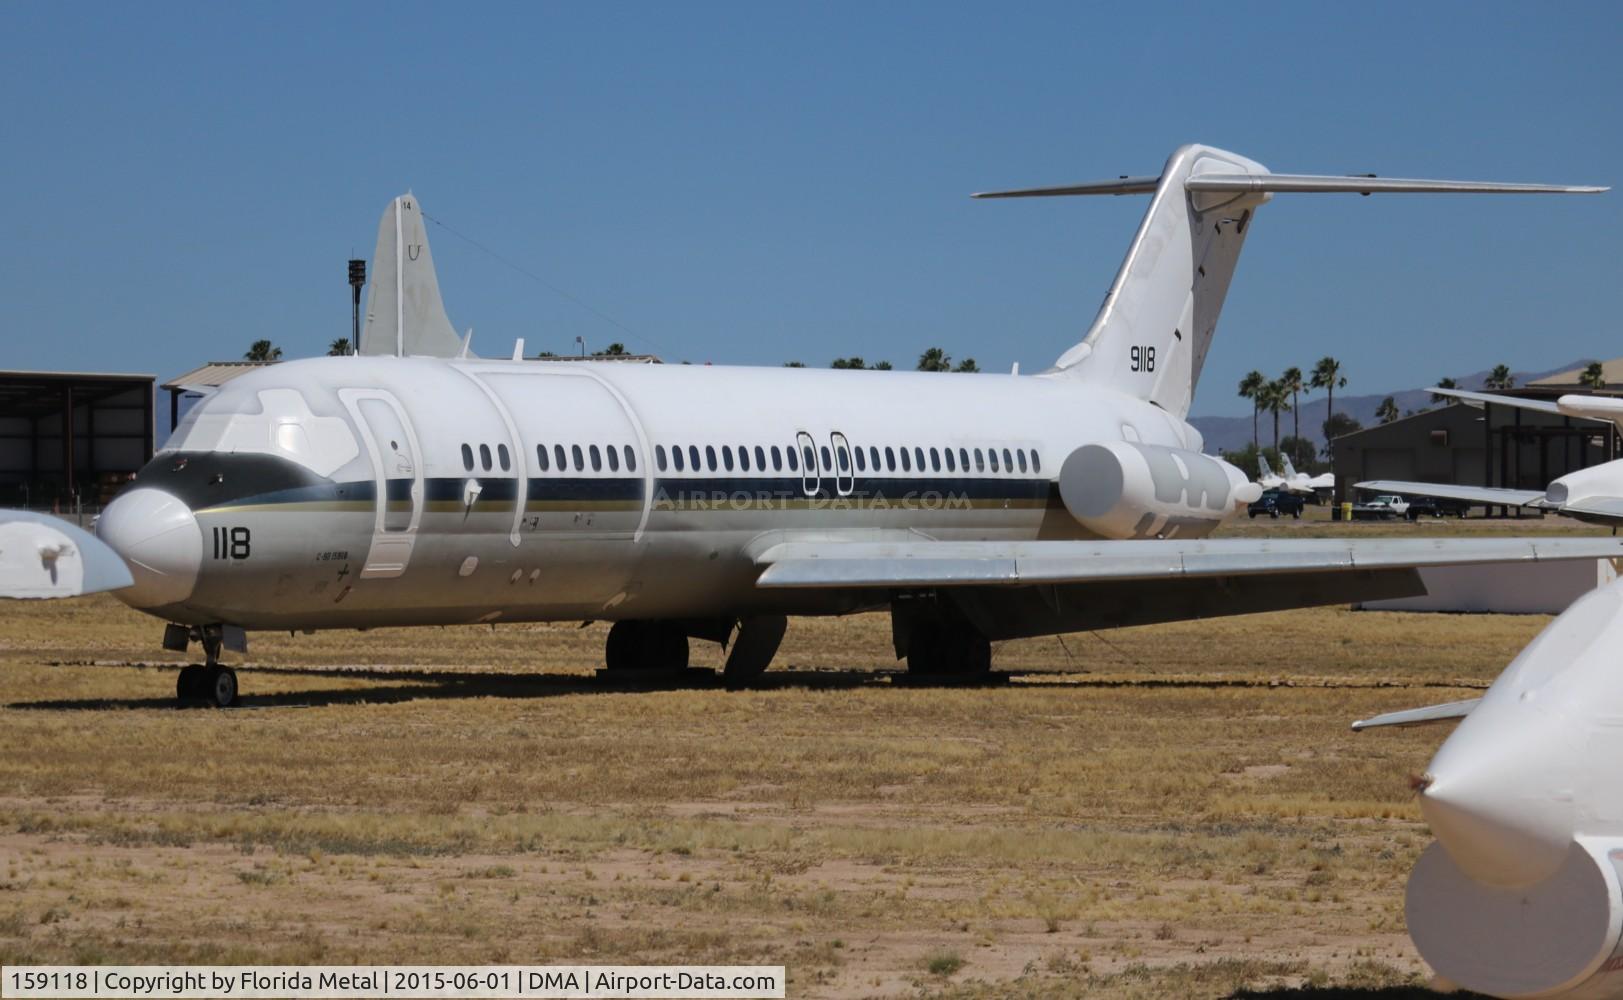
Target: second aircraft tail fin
x=404 y=313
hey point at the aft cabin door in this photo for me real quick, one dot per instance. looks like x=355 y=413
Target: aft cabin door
x=397 y=472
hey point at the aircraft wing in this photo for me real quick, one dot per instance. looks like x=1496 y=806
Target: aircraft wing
x=855 y=564
x=1449 y=491
x=1605 y=508
x=1446 y=712
x=44 y=556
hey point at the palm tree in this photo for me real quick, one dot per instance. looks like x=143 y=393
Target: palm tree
x=881 y=366
x=1274 y=398
x=339 y=348
x=1500 y=378
x=1250 y=387
x=786 y=364
x=1327 y=376
x=615 y=349
x=967 y=365
x=1594 y=377
x=935 y=360
x=854 y=361
x=263 y=350
x=1387 y=411
x=1444 y=383
x=1292 y=383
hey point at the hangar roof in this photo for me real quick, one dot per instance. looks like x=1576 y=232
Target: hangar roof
x=213 y=375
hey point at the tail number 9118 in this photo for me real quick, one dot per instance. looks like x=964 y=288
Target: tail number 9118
x=231 y=543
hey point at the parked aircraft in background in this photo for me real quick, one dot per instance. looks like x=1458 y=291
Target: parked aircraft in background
x=415 y=484
x=1522 y=893
x=1301 y=481
x=1594 y=494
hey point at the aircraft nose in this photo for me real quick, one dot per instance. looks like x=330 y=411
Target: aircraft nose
x=157 y=536
x=1502 y=812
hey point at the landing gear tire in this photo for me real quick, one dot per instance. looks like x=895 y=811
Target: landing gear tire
x=646 y=647
x=191 y=685
x=222 y=687
x=949 y=647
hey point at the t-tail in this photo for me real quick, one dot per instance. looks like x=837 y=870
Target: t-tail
x=1151 y=335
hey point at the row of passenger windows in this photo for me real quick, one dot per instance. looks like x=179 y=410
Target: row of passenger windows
x=590 y=454
x=888 y=459
x=875 y=458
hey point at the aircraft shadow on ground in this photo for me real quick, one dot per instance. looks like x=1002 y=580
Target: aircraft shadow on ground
x=1346 y=993
x=410 y=684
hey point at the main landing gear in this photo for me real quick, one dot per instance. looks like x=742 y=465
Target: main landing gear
x=658 y=650
x=211 y=683
x=939 y=641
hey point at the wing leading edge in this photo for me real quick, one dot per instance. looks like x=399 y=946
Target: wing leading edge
x=1450 y=491
x=833 y=564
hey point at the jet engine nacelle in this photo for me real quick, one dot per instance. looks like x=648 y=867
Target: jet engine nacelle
x=1123 y=489
x=1559 y=937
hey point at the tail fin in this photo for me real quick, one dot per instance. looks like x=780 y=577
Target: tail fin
x=1285 y=460
x=404 y=313
x=1264 y=470
x=1152 y=333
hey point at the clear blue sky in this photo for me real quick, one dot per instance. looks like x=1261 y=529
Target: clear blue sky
x=755 y=183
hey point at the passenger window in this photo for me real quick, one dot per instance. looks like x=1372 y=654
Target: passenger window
x=918 y=458
x=794 y=463
x=693 y=457
x=505 y=459
x=676 y=456
x=935 y=460
x=991 y=458
x=484 y=456
x=862 y=463
x=467 y=458
x=597 y=458
x=890 y=458
x=845 y=459
x=760 y=458
x=710 y=456
x=873 y=456
x=828 y=461
x=963 y=459
x=659 y=456
x=1036 y=463
x=614 y=458
x=948 y=453
x=631 y=459
x=907 y=466
x=810 y=458
x=727 y=457
x=580 y=462
x=558 y=454
x=980 y=461
x=1008 y=461
x=1021 y=455
x=744 y=457
x=777 y=459
x=541 y=457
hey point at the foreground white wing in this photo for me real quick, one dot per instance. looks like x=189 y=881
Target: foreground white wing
x=1450 y=491
x=1012 y=564
x=43 y=556
x=1446 y=712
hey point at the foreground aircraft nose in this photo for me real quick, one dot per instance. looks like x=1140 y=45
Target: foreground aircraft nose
x=1501 y=810
x=157 y=536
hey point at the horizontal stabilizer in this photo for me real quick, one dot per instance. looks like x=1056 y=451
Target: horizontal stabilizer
x=1514 y=402
x=1446 y=712
x=1333 y=184
x=1450 y=491
x=1012 y=564
x=1121 y=185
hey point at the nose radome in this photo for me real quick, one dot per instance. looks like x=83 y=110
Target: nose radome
x=157 y=536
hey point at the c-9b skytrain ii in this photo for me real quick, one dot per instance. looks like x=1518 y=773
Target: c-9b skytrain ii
x=416 y=484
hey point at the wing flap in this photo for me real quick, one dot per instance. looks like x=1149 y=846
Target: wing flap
x=827 y=564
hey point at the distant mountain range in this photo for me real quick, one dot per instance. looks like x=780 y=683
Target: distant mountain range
x=1234 y=433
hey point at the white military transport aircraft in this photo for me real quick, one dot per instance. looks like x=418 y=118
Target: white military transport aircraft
x=419 y=485
x=1522 y=893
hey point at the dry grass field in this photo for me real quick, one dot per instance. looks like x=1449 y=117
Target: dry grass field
x=1175 y=810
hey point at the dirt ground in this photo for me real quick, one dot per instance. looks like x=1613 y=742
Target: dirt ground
x=1174 y=810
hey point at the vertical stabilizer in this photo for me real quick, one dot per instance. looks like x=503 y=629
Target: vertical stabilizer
x=404 y=313
x=1265 y=472
x=1156 y=324
x=1285 y=462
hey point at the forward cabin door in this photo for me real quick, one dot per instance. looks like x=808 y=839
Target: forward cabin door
x=397 y=472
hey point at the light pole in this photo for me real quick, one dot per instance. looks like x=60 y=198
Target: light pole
x=357 y=278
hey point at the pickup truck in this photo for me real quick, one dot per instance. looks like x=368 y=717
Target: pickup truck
x=1396 y=505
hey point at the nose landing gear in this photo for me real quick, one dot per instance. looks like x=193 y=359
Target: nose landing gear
x=210 y=683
